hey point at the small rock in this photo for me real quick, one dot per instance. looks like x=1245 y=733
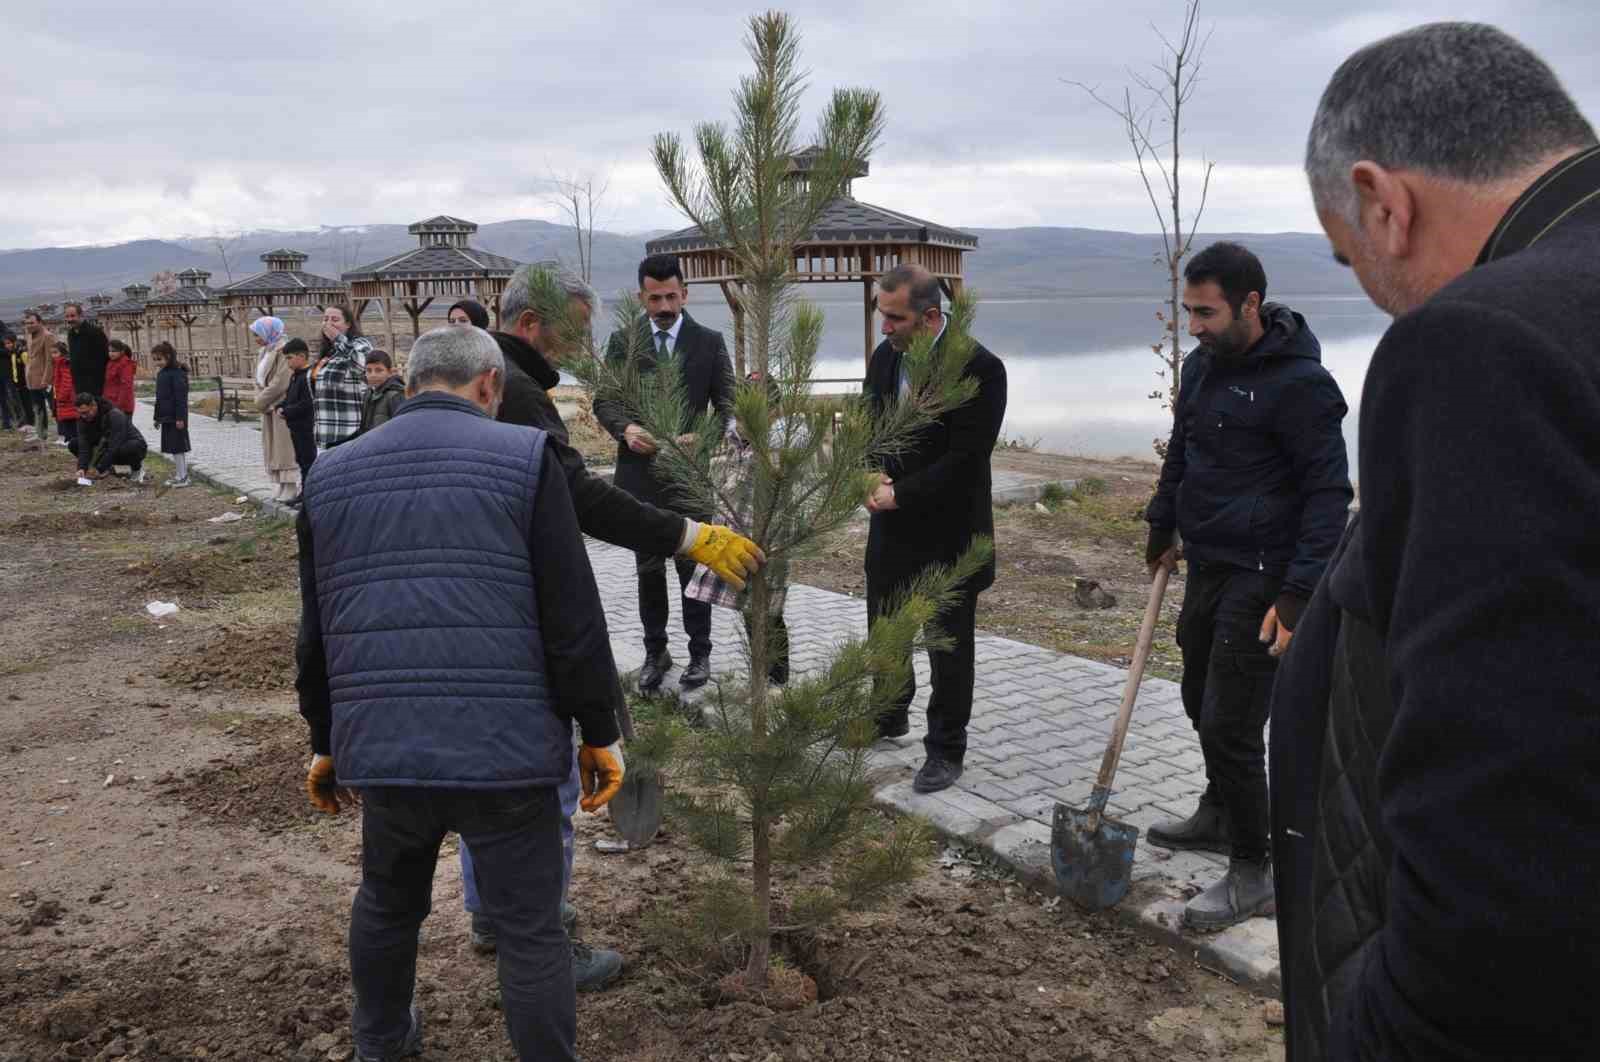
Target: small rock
x=1041 y=507
x=341 y=1054
x=1272 y=1013
x=116 y=1048
x=1089 y=594
x=322 y=1043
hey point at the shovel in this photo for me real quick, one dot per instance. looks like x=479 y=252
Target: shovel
x=636 y=809
x=1093 y=854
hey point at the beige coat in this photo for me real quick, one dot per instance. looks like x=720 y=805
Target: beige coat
x=41 y=359
x=277 y=449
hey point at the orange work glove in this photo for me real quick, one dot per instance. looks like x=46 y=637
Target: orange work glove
x=323 y=788
x=600 y=771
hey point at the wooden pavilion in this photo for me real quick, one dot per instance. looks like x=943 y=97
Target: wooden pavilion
x=283 y=285
x=852 y=242
x=441 y=266
x=127 y=314
x=193 y=301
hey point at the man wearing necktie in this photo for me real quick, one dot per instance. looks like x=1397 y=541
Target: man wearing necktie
x=677 y=344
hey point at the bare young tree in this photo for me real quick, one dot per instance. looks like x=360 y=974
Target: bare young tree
x=1162 y=97
x=576 y=196
x=225 y=243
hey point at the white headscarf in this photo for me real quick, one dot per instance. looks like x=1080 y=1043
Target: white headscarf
x=269 y=330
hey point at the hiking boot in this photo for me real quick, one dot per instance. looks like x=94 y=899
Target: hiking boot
x=410 y=1047
x=936 y=774
x=1204 y=831
x=697 y=674
x=1244 y=892
x=654 y=671
x=482 y=931
x=594 y=968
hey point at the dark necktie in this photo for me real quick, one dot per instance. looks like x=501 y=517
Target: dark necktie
x=662 y=350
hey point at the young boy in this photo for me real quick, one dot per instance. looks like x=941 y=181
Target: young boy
x=120 y=372
x=385 y=391
x=298 y=411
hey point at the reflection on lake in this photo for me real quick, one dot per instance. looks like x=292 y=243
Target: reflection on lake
x=1079 y=370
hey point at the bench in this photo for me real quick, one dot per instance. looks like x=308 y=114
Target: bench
x=229 y=396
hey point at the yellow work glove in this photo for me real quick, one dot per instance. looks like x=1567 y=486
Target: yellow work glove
x=600 y=771
x=323 y=788
x=728 y=554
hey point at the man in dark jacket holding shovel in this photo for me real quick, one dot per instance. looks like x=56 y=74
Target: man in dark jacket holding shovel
x=1256 y=482
x=1436 y=818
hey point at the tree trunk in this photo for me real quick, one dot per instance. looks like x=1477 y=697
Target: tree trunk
x=761 y=846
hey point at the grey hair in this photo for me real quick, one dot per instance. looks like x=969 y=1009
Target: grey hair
x=1458 y=100
x=923 y=284
x=452 y=356
x=517 y=299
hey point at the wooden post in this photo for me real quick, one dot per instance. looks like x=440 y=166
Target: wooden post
x=869 y=305
x=388 y=319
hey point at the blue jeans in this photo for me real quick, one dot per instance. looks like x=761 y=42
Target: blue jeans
x=568 y=792
x=514 y=833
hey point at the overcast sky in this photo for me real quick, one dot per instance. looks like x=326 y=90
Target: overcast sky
x=190 y=117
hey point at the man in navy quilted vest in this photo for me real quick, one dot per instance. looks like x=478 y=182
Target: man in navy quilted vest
x=451 y=633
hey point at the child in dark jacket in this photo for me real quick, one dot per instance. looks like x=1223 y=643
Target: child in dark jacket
x=172 y=410
x=120 y=371
x=298 y=410
x=385 y=391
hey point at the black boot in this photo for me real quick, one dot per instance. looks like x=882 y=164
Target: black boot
x=654 y=671
x=697 y=674
x=1204 y=831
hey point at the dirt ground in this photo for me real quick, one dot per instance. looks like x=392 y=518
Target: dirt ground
x=1047 y=559
x=166 y=893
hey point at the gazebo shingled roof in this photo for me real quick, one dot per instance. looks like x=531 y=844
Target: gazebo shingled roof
x=851 y=241
x=128 y=312
x=441 y=265
x=193 y=300
x=284 y=283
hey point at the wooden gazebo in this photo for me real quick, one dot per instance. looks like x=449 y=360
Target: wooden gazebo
x=127 y=314
x=193 y=301
x=441 y=266
x=283 y=285
x=852 y=242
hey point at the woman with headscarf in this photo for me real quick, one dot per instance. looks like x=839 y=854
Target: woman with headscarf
x=468 y=312
x=272 y=383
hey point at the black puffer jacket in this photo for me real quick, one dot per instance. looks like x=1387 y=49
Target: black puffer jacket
x=1256 y=474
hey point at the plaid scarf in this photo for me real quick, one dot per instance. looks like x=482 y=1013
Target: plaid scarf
x=704 y=585
x=341 y=391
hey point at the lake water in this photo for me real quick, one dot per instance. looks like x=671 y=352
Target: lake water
x=1079 y=369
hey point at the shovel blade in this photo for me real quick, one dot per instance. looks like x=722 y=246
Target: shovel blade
x=636 y=809
x=1093 y=864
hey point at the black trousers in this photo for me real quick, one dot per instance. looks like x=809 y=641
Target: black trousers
x=1227 y=692
x=777 y=646
x=954 y=673
x=654 y=610
x=515 y=838
x=132 y=454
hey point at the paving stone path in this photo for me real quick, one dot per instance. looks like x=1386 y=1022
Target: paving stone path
x=1039 y=724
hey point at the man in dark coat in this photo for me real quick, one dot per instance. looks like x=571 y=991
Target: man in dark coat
x=1436 y=815
x=932 y=500
x=452 y=710
x=1256 y=481
x=106 y=437
x=671 y=340
x=88 y=351
x=604 y=512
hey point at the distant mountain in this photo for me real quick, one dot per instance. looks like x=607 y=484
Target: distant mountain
x=1025 y=262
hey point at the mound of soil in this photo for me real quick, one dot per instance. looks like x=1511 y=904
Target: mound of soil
x=206 y=574
x=49 y=525
x=249 y=659
x=264 y=791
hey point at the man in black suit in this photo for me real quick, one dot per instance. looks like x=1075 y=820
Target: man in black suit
x=1436 y=817
x=929 y=504
x=676 y=343
x=88 y=351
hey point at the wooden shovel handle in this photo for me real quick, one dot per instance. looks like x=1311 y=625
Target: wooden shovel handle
x=1141 y=655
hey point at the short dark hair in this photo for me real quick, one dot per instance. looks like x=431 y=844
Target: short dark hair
x=1457 y=100
x=1233 y=267
x=84 y=398
x=74 y=305
x=660 y=267
x=61 y=348
x=165 y=353
x=380 y=357
x=119 y=345
x=33 y=314
x=924 y=286
x=296 y=346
